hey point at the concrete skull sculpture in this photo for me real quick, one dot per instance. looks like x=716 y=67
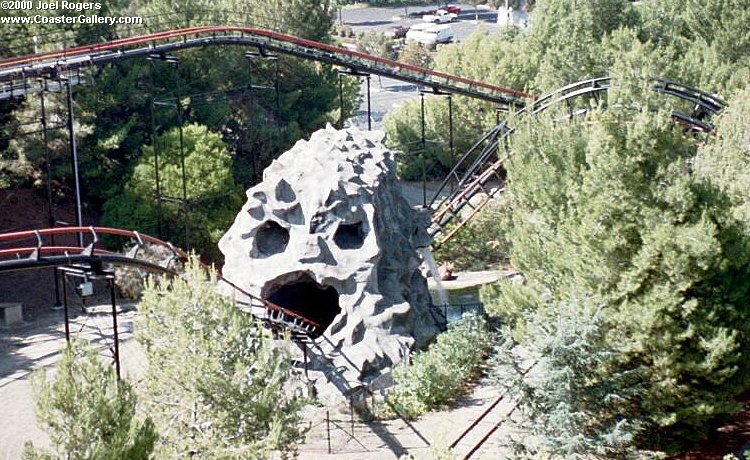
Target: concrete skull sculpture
x=328 y=235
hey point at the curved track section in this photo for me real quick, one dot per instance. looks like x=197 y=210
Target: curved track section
x=19 y=75
x=20 y=256
x=480 y=169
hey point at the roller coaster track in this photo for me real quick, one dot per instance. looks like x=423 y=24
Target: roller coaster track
x=20 y=256
x=20 y=75
x=480 y=169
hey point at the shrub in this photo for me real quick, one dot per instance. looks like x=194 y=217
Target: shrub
x=88 y=413
x=376 y=43
x=573 y=396
x=482 y=243
x=438 y=374
x=218 y=383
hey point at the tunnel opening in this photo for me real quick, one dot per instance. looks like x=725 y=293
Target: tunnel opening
x=303 y=295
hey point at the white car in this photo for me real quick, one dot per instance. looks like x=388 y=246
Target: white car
x=430 y=34
x=440 y=17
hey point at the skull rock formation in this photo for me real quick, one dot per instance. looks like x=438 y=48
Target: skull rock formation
x=328 y=235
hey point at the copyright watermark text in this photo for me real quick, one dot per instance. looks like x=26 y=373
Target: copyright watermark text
x=26 y=9
x=25 y=5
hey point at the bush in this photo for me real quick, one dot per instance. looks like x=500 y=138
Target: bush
x=482 y=243
x=573 y=396
x=415 y=53
x=218 y=384
x=89 y=414
x=376 y=43
x=404 y=136
x=440 y=373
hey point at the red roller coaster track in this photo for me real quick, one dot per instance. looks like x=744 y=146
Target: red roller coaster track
x=25 y=67
x=41 y=256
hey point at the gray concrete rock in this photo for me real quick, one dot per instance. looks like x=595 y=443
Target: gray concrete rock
x=328 y=235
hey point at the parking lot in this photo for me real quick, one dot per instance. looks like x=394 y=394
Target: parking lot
x=387 y=94
x=364 y=19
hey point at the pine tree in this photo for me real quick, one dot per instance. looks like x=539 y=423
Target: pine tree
x=89 y=413
x=218 y=384
x=609 y=209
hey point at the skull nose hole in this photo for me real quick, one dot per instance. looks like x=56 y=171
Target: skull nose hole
x=307 y=298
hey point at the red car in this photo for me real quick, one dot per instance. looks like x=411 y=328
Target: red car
x=452 y=9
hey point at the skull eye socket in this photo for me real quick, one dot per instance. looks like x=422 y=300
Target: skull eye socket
x=350 y=236
x=271 y=239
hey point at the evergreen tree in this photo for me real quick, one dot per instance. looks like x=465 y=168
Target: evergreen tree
x=609 y=210
x=213 y=196
x=218 y=384
x=89 y=413
x=572 y=395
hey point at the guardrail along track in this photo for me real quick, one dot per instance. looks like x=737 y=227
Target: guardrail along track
x=20 y=256
x=18 y=75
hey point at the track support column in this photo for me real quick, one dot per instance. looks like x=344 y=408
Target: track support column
x=424 y=151
x=74 y=159
x=369 y=107
x=116 y=333
x=155 y=146
x=48 y=167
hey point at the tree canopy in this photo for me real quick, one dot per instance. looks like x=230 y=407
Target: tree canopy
x=611 y=210
x=218 y=384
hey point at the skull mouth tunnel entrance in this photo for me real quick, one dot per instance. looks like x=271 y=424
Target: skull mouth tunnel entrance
x=299 y=293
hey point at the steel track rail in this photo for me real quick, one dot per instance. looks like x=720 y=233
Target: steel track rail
x=55 y=62
x=485 y=166
x=62 y=260
x=42 y=256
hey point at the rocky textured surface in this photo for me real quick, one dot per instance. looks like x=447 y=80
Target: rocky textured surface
x=328 y=235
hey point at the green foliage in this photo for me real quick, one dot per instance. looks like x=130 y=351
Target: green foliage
x=723 y=161
x=405 y=137
x=697 y=43
x=415 y=53
x=566 y=36
x=376 y=43
x=609 y=211
x=218 y=384
x=113 y=113
x=574 y=397
x=437 y=375
x=212 y=194
x=482 y=242
x=88 y=413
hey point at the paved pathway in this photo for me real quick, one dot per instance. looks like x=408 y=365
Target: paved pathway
x=38 y=344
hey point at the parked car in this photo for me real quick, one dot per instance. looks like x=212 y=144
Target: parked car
x=455 y=9
x=430 y=34
x=440 y=17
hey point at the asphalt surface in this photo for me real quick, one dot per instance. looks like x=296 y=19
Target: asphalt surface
x=364 y=19
x=387 y=94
